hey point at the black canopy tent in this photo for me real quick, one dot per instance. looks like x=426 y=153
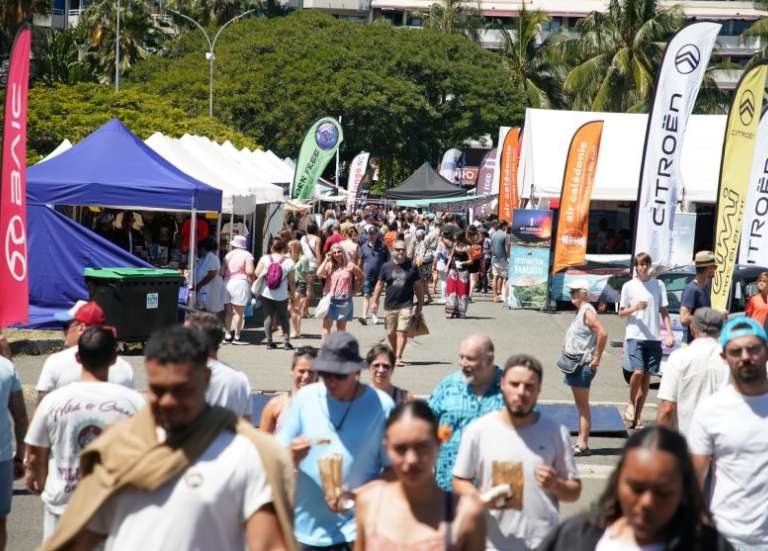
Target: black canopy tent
x=425 y=183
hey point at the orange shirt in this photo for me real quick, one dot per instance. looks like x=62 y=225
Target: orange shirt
x=389 y=239
x=757 y=308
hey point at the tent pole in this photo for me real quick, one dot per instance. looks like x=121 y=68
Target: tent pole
x=192 y=255
x=218 y=232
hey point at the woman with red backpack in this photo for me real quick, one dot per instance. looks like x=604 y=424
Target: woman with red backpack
x=275 y=283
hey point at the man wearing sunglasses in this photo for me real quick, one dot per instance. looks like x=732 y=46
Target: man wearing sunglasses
x=63 y=367
x=403 y=282
x=337 y=416
x=729 y=432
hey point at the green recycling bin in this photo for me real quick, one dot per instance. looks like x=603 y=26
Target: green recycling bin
x=136 y=301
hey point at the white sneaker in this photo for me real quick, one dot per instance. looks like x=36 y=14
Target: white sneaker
x=374 y=319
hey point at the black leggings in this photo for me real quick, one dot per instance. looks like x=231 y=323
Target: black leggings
x=277 y=308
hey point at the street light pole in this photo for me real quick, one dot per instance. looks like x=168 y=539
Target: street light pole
x=210 y=55
x=117 y=50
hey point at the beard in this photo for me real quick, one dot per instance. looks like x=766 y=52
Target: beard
x=748 y=373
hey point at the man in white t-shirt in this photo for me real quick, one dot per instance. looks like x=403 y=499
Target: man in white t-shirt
x=729 y=433
x=62 y=367
x=534 y=449
x=69 y=418
x=199 y=479
x=643 y=301
x=693 y=372
x=228 y=387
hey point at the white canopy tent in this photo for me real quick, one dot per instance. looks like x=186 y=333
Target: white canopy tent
x=548 y=133
x=61 y=148
x=235 y=199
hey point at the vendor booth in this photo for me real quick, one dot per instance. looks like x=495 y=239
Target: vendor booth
x=110 y=168
x=425 y=183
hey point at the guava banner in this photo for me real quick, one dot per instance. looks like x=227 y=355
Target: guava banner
x=754 y=236
x=509 y=159
x=679 y=79
x=576 y=196
x=735 y=169
x=14 y=275
x=530 y=243
x=485 y=182
x=319 y=147
x=356 y=172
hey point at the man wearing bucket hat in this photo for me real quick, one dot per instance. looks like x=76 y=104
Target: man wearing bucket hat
x=697 y=293
x=336 y=420
x=729 y=433
x=63 y=367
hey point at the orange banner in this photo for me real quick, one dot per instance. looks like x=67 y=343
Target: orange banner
x=579 y=176
x=509 y=196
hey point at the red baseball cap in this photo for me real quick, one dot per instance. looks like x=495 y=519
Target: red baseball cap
x=88 y=313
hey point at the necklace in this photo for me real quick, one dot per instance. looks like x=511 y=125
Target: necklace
x=336 y=427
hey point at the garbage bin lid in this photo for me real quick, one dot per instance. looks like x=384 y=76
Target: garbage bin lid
x=127 y=273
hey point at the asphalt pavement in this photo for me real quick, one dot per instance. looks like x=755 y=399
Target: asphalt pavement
x=428 y=359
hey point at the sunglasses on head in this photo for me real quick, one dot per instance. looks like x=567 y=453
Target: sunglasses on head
x=334 y=376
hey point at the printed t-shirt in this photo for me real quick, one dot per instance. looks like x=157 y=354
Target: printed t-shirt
x=644 y=324
x=545 y=442
x=314 y=414
x=228 y=388
x=339 y=282
x=62 y=368
x=204 y=507
x=733 y=429
x=400 y=280
x=66 y=421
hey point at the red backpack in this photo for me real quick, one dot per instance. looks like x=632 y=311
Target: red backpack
x=274 y=275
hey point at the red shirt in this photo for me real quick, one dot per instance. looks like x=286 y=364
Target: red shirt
x=186 y=228
x=757 y=308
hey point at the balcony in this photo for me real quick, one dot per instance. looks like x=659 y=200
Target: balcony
x=738 y=45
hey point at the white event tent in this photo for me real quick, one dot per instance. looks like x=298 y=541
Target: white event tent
x=547 y=135
x=61 y=148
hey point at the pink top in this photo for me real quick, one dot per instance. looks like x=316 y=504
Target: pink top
x=339 y=281
x=235 y=262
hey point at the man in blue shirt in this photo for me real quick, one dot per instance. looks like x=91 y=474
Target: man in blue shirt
x=464 y=396
x=697 y=293
x=337 y=416
x=373 y=254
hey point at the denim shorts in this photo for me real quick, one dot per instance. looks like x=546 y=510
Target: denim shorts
x=6 y=487
x=643 y=355
x=301 y=288
x=369 y=284
x=340 y=310
x=581 y=378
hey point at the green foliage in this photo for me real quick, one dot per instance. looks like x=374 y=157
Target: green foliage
x=455 y=17
x=217 y=12
x=58 y=57
x=618 y=54
x=73 y=112
x=13 y=14
x=405 y=95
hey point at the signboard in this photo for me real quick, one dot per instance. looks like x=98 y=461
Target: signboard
x=529 y=254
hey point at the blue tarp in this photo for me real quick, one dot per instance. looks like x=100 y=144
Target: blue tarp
x=114 y=168
x=59 y=250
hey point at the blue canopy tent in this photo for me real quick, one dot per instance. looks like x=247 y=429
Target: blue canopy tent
x=109 y=168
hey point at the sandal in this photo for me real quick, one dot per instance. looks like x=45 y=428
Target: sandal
x=399 y=363
x=578 y=451
x=629 y=415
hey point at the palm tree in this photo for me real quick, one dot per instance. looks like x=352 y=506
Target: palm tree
x=454 y=17
x=536 y=67
x=59 y=58
x=12 y=14
x=139 y=36
x=618 y=54
x=218 y=12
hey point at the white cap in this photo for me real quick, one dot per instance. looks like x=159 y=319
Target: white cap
x=578 y=284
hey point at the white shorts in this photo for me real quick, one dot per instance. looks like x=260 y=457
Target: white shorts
x=239 y=291
x=500 y=269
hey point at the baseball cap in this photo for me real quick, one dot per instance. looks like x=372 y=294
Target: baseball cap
x=741 y=327
x=88 y=313
x=370 y=228
x=708 y=320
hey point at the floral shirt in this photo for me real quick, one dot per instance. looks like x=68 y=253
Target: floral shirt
x=456 y=405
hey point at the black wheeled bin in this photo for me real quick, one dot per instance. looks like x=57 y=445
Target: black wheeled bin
x=136 y=301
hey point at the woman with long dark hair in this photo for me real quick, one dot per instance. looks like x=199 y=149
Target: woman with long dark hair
x=457 y=288
x=652 y=503
x=412 y=512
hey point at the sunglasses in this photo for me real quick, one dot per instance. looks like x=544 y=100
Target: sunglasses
x=333 y=376
x=398 y=249
x=381 y=365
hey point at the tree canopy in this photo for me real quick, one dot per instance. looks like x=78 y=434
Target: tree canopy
x=404 y=95
x=73 y=112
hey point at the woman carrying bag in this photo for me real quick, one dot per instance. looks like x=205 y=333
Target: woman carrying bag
x=339 y=275
x=584 y=344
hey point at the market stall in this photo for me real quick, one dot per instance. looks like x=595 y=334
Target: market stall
x=425 y=183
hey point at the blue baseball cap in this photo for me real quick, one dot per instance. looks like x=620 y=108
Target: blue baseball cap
x=741 y=327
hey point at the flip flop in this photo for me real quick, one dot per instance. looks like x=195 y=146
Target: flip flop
x=581 y=452
x=399 y=363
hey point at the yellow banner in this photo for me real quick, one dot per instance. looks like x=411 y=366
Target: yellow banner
x=509 y=160
x=735 y=169
x=578 y=179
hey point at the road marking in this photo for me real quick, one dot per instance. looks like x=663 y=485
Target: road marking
x=594 y=471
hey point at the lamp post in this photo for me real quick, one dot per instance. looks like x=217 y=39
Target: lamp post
x=117 y=50
x=210 y=55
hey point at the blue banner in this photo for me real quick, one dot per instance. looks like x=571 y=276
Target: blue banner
x=529 y=256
